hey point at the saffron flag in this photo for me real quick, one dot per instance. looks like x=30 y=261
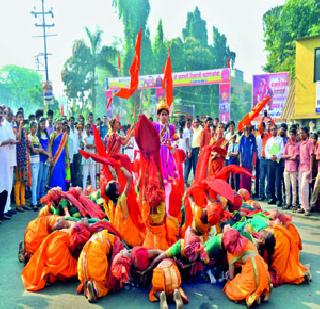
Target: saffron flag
x=119 y=62
x=252 y=114
x=109 y=102
x=126 y=93
x=167 y=81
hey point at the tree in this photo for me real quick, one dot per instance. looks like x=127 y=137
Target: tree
x=21 y=87
x=283 y=25
x=220 y=49
x=134 y=15
x=79 y=73
x=196 y=27
x=159 y=49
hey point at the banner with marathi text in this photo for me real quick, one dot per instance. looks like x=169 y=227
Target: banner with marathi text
x=224 y=102
x=181 y=79
x=276 y=85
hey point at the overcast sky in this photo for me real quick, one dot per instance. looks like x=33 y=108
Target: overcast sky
x=239 y=20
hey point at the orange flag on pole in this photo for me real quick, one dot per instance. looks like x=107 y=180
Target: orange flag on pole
x=253 y=114
x=119 y=62
x=167 y=82
x=126 y=93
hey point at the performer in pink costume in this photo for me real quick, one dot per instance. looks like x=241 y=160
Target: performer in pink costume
x=167 y=136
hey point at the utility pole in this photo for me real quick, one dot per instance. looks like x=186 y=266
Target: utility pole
x=42 y=14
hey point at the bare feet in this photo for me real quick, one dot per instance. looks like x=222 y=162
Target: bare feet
x=163 y=301
x=89 y=292
x=177 y=299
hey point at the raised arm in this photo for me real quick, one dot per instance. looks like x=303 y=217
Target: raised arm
x=129 y=179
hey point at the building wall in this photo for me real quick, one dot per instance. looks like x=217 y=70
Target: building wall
x=305 y=92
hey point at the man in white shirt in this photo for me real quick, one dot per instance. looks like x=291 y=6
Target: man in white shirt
x=12 y=156
x=187 y=137
x=274 y=149
x=5 y=184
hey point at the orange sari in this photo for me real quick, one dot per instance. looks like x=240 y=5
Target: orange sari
x=93 y=263
x=253 y=281
x=156 y=229
x=44 y=211
x=285 y=260
x=166 y=277
x=36 y=231
x=52 y=261
x=295 y=234
x=120 y=217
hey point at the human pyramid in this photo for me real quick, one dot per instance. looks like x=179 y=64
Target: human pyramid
x=143 y=228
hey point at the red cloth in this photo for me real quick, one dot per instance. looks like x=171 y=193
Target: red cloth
x=126 y=93
x=140 y=258
x=154 y=195
x=244 y=194
x=192 y=245
x=252 y=114
x=80 y=234
x=167 y=82
x=237 y=202
x=234 y=242
x=121 y=268
x=215 y=212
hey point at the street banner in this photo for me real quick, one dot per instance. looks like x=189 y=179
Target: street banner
x=224 y=102
x=318 y=97
x=181 y=79
x=276 y=85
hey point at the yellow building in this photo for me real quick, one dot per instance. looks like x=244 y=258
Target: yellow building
x=301 y=103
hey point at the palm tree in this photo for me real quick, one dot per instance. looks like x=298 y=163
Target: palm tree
x=99 y=57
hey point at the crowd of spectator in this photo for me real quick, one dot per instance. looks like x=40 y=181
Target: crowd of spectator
x=285 y=161
x=37 y=153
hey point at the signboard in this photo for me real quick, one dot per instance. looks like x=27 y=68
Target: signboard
x=318 y=97
x=180 y=79
x=276 y=85
x=224 y=103
x=47 y=91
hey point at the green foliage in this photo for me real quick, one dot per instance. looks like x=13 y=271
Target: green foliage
x=159 y=49
x=282 y=26
x=191 y=52
x=79 y=73
x=20 y=87
x=239 y=108
x=196 y=27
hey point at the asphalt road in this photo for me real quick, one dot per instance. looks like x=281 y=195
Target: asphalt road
x=202 y=296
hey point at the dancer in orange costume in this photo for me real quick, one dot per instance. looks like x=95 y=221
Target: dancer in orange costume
x=166 y=282
x=153 y=215
x=281 y=249
x=252 y=284
x=54 y=259
x=117 y=209
x=162 y=227
x=94 y=265
x=34 y=234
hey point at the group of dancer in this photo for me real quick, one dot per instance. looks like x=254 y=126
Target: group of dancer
x=141 y=227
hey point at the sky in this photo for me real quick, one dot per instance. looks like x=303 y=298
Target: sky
x=239 y=20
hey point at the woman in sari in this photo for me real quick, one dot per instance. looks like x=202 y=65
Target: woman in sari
x=252 y=284
x=58 y=148
x=94 y=265
x=36 y=230
x=114 y=140
x=56 y=258
x=167 y=135
x=280 y=248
